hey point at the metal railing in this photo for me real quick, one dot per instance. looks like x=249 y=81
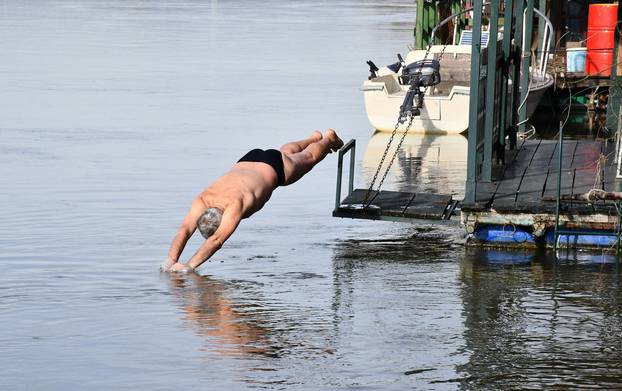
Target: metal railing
x=350 y=146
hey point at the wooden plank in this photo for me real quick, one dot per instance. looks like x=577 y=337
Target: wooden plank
x=579 y=156
x=514 y=175
x=428 y=206
x=358 y=197
x=536 y=174
x=396 y=204
x=393 y=202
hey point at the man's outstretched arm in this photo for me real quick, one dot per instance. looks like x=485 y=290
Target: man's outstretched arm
x=230 y=221
x=187 y=228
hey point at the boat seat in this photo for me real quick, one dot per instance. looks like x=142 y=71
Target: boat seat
x=444 y=87
x=391 y=84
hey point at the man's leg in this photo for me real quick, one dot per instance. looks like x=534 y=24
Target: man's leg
x=298 y=146
x=299 y=163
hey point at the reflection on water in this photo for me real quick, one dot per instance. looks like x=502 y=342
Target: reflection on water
x=396 y=300
x=536 y=324
x=424 y=163
x=116 y=112
x=227 y=326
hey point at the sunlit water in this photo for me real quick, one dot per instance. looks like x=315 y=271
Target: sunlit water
x=116 y=113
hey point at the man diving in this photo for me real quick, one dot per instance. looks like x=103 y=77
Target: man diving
x=244 y=190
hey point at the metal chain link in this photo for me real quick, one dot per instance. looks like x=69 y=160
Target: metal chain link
x=399 y=145
x=384 y=155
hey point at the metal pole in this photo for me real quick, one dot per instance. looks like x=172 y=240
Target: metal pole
x=474 y=104
x=615 y=91
x=491 y=92
x=351 y=183
x=506 y=47
x=541 y=24
x=518 y=36
x=419 y=25
x=526 y=61
x=618 y=233
x=559 y=182
x=339 y=175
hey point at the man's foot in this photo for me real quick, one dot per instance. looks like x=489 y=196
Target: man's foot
x=316 y=136
x=335 y=141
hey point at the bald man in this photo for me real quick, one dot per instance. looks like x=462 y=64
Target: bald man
x=244 y=190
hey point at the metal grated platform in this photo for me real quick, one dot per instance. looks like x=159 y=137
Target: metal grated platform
x=396 y=206
x=388 y=205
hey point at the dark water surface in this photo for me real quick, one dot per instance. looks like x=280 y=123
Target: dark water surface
x=116 y=113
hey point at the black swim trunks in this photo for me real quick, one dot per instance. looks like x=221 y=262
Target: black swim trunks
x=272 y=157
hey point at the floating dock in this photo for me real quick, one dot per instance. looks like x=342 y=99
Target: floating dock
x=518 y=193
x=519 y=207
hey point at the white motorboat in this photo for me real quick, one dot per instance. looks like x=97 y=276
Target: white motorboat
x=445 y=105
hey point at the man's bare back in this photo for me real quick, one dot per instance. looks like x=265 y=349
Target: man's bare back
x=244 y=190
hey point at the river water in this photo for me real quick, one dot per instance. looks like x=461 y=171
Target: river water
x=115 y=114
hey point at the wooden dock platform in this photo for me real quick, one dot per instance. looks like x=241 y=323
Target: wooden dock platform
x=528 y=183
x=519 y=206
x=523 y=193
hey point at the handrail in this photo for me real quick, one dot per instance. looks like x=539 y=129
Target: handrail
x=349 y=146
x=447 y=20
x=546 y=40
x=450 y=17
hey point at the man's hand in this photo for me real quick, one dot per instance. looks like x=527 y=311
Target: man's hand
x=166 y=265
x=179 y=267
x=171 y=266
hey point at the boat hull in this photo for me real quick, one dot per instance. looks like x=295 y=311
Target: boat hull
x=439 y=115
x=446 y=114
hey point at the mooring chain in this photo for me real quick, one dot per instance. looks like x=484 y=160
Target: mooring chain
x=399 y=145
x=400 y=120
x=384 y=155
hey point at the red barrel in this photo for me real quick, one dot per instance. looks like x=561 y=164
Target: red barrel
x=602 y=20
x=599 y=62
x=603 y=15
x=601 y=39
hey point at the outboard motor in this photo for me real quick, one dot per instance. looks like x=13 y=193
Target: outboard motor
x=428 y=72
x=420 y=75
